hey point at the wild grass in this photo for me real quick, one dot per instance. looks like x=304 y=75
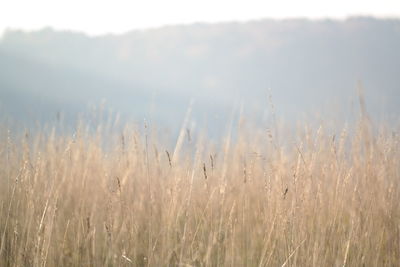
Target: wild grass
x=263 y=199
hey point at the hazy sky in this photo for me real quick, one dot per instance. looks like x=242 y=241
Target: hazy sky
x=99 y=16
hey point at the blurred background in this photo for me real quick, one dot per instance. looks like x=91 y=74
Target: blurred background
x=151 y=60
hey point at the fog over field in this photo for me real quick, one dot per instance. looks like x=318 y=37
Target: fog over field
x=258 y=143
x=306 y=66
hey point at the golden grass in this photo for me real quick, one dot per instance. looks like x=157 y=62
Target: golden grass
x=310 y=200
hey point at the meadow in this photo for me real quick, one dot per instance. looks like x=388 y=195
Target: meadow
x=258 y=197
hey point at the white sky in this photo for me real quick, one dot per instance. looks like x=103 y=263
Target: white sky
x=100 y=16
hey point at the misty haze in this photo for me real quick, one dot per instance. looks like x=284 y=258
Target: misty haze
x=271 y=142
x=307 y=67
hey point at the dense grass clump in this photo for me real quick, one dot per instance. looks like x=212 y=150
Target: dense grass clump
x=263 y=199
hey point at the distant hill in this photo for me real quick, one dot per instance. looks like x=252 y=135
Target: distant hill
x=307 y=67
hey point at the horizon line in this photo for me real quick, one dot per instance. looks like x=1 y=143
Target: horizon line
x=5 y=29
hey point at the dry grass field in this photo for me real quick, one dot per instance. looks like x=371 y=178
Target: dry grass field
x=260 y=198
